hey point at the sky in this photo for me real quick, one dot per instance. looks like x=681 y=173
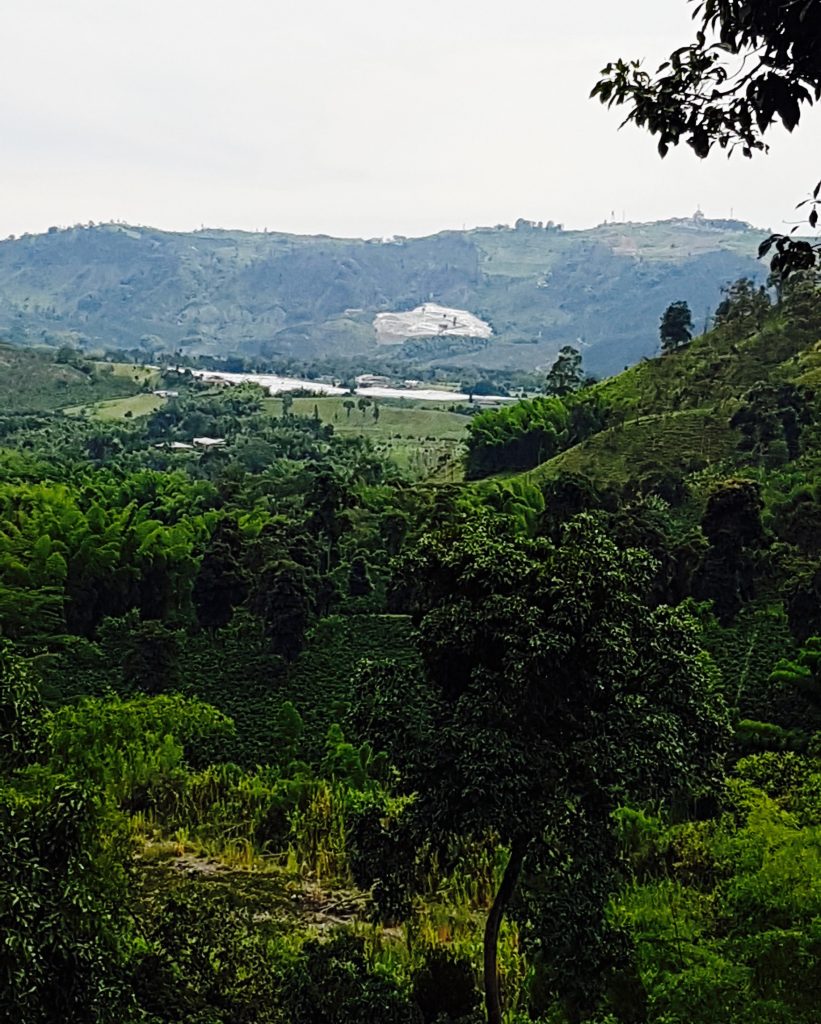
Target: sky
x=366 y=118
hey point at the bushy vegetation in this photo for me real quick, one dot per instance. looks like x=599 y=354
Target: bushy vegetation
x=40 y=381
x=530 y=432
x=286 y=736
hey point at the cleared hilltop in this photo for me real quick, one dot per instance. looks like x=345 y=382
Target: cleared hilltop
x=312 y=297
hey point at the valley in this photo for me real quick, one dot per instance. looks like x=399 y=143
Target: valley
x=291 y=670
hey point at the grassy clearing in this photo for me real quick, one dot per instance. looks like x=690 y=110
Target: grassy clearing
x=119 y=408
x=437 y=462
x=134 y=372
x=407 y=419
x=424 y=439
x=307 y=886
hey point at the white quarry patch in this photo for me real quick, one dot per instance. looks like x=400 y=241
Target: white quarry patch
x=427 y=321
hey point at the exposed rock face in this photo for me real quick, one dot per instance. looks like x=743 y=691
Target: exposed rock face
x=427 y=321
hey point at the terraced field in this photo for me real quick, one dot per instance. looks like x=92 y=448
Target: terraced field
x=687 y=439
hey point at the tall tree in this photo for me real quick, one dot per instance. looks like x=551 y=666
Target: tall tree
x=732 y=525
x=565 y=374
x=282 y=597
x=221 y=582
x=744 y=307
x=550 y=693
x=676 y=327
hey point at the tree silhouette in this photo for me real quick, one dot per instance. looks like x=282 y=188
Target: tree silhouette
x=676 y=326
x=565 y=374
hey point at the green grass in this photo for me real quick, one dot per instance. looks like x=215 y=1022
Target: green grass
x=436 y=462
x=408 y=419
x=117 y=408
x=424 y=439
x=134 y=371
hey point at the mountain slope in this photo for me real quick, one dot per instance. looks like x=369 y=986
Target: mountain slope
x=33 y=381
x=312 y=297
x=711 y=461
x=674 y=413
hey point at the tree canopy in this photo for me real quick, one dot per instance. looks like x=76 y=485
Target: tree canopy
x=551 y=692
x=565 y=374
x=676 y=327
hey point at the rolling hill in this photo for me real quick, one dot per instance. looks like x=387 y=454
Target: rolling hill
x=31 y=380
x=286 y=297
x=673 y=414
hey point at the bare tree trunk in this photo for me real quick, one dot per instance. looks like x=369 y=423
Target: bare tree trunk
x=493 y=1003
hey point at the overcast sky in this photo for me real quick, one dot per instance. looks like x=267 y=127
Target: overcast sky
x=363 y=117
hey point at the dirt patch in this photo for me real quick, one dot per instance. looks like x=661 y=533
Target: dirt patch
x=428 y=321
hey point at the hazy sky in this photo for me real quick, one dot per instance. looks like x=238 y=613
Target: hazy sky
x=363 y=117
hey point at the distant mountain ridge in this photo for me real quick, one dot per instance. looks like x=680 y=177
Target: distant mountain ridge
x=311 y=297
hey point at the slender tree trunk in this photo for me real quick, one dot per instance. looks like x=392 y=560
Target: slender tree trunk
x=493 y=1003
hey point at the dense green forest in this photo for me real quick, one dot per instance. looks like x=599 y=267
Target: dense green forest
x=287 y=735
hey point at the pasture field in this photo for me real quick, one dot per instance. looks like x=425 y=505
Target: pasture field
x=119 y=408
x=424 y=439
x=408 y=419
x=134 y=372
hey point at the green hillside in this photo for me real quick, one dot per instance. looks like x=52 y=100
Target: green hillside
x=673 y=413
x=35 y=381
x=307 y=300
x=279 y=717
x=734 y=412
x=686 y=439
x=120 y=408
